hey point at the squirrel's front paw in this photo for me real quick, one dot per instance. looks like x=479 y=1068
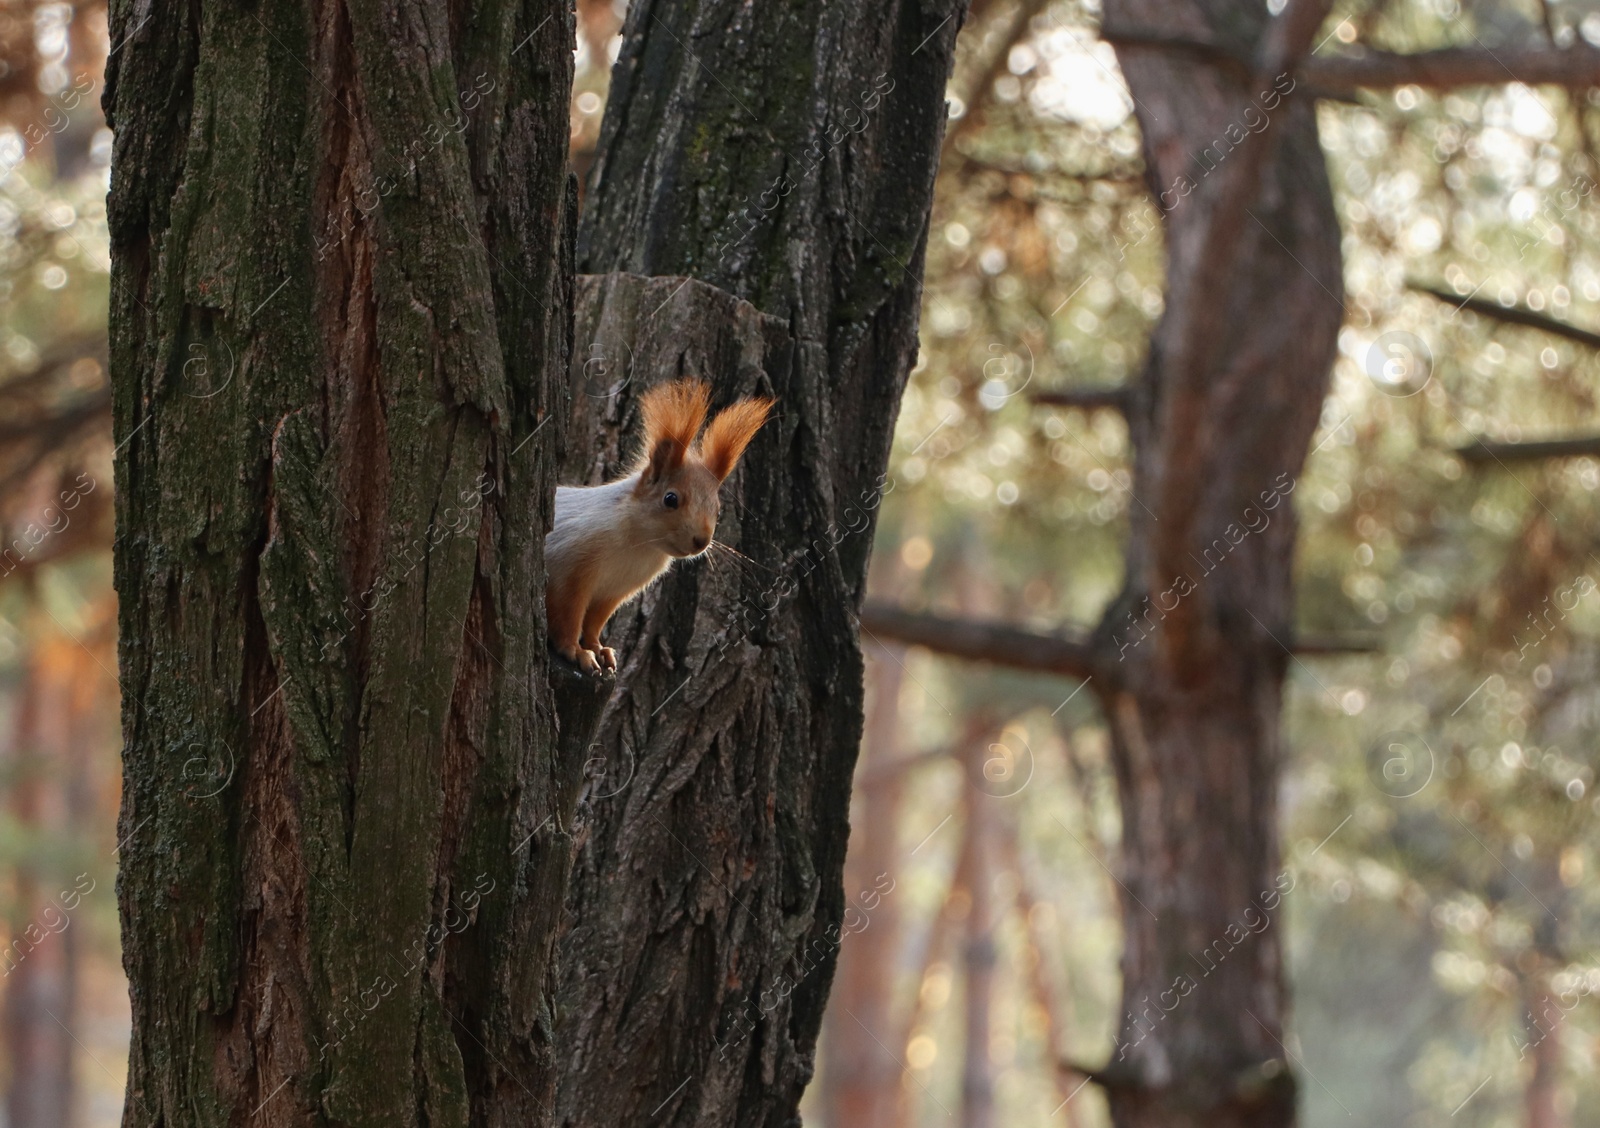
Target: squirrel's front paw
x=607 y=657
x=587 y=662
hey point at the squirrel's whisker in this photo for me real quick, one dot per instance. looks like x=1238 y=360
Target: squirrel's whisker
x=729 y=557
x=734 y=552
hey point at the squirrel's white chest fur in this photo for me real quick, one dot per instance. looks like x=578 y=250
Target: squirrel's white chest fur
x=590 y=537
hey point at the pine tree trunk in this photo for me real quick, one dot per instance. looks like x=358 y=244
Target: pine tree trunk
x=1543 y=1048
x=782 y=155
x=39 y=963
x=862 y=1069
x=40 y=996
x=1046 y=988
x=339 y=327
x=1544 y=1018
x=1194 y=652
x=979 y=953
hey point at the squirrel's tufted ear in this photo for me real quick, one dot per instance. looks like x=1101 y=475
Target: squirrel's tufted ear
x=730 y=432
x=673 y=414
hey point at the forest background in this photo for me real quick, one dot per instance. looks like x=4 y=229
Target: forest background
x=1438 y=810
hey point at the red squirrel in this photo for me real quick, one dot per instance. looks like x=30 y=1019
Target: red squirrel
x=610 y=542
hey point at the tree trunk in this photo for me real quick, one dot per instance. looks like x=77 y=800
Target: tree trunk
x=782 y=155
x=862 y=1067
x=1045 y=987
x=1193 y=651
x=339 y=322
x=39 y=963
x=926 y=956
x=978 y=953
x=1542 y=1086
x=40 y=998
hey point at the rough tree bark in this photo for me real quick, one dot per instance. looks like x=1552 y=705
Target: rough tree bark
x=341 y=239
x=783 y=157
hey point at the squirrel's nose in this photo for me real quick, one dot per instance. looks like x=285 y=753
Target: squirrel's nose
x=700 y=543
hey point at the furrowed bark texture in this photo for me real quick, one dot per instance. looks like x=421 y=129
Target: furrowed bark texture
x=1191 y=653
x=783 y=157
x=341 y=238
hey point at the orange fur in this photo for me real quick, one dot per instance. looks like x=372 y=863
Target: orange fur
x=611 y=541
x=730 y=432
x=598 y=614
x=566 y=599
x=673 y=414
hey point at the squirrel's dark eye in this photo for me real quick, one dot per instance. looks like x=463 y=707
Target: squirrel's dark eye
x=670 y=500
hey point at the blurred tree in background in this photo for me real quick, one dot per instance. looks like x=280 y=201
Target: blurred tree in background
x=1438 y=809
x=64 y=1002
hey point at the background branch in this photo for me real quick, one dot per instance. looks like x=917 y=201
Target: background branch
x=1576 y=66
x=1512 y=315
x=981 y=641
x=1575 y=446
x=1019 y=649
x=1115 y=397
x=1312 y=645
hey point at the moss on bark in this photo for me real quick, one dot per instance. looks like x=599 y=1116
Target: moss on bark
x=341 y=244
